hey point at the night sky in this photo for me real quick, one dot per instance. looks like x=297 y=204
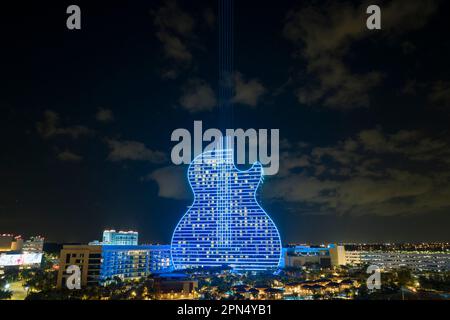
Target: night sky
x=86 y=115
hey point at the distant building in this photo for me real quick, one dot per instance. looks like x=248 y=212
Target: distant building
x=34 y=244
x=13 y=254
x=20 y=260
x=353 y=257
x=113 y=237
x=324 y=257
x=17 y=244
x=337 y=255
x=117 y=238
x=415 y=260
x=6 y=241
x=101 y=263
x=175 y=286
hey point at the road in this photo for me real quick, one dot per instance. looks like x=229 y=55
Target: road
x=19 y=293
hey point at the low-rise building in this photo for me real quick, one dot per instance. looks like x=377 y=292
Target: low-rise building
x=415 y=260
x=175 y=286
x=102 y=263
x=34 y=244
x=13 y=254
x=6 y=241
x=117 y=238
x=87 y=258
x=324 y=257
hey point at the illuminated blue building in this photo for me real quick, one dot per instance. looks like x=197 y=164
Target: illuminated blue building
x=113 y=237
x=225 y=225
x=129 y=262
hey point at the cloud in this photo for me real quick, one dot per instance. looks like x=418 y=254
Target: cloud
x=174 y=30
x=373 y=173
x=50 y=127
x=174 y=47
x=323 y=36
x=440 y=93
x=171 y=182
x=179 y=32
x=132 y=150
x=69 y=156
x=412 y=144
x=209 y=17
x=104 y=115
x=247 y=92
x=292 y=160
x=198 y=96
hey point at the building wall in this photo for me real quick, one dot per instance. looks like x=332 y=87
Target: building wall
x=168 y=288
x=17 y=244
x=352 y=257
x=337 y=255
x=299 y=256
x=134 y=261
x=431 y=261
x=5 y=242
x=34 y=244
x=300 y=261
x=88 y=258
x=100 y=263
x=113 y=237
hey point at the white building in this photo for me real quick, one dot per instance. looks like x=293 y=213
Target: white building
x=415 y=260
x=121 y=238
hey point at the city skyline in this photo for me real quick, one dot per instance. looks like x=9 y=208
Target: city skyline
x=87 y=117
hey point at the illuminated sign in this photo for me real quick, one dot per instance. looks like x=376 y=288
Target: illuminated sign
x=20 y=259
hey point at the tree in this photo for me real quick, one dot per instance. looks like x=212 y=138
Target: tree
x=40 y=280
x=47 y=263
x=5 y=294
x=11 y=274
x=404 y=277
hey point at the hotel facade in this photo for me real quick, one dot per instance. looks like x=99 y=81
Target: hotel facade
x=414 y=260
x=102 y=263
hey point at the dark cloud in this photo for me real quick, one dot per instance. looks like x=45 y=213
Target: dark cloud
x=133 y=150
x=69 y=156
x=209 y=17
x=198 y=96
x=247 y=92
x=323 y=36
x=440 y=93
x=181 y=33
x=174 y=47
x=174 y=29
x=50 y=127
x=373 y=173
x=104 y=115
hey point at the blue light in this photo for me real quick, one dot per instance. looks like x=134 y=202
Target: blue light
x=134 y=261
x=225 y=225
